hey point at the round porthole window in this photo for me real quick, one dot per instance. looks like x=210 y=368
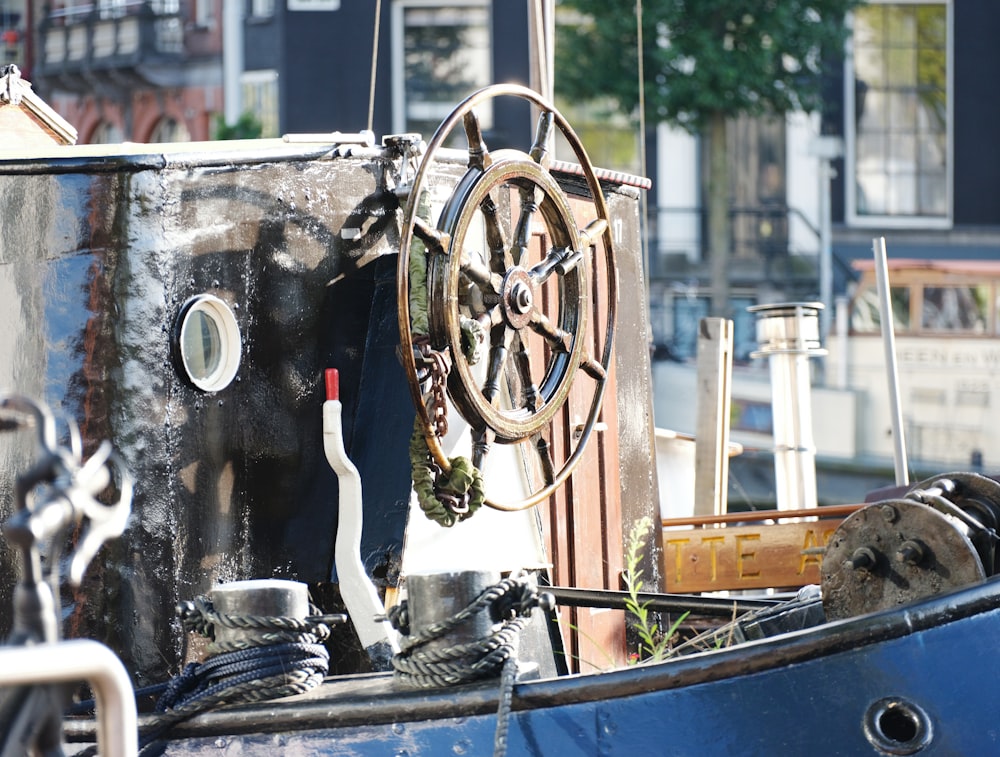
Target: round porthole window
x=208 y=343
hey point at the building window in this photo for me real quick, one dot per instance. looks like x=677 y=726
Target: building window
x=169 y=130
x=446 y=56
x=204 y=13
x=106 y=133
x=260 y=97
x=111 y=8
x=898 y=106
x=261 y=8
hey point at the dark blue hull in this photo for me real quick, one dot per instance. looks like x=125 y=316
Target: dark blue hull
x=912 y=681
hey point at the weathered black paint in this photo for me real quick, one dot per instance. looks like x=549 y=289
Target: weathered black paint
x=234 y=484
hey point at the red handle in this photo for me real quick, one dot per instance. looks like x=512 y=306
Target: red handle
x=332 y=377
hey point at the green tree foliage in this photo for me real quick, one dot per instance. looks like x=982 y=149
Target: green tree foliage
x=702 y=57
x=705 y=62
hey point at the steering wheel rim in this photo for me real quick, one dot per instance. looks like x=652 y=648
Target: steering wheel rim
x=514 y=290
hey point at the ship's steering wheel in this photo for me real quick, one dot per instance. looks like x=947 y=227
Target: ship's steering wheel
x=506 y=266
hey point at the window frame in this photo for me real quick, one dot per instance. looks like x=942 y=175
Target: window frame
x=869 y=220
x=399 y=8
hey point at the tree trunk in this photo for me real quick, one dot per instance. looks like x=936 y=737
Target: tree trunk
x=716 y=193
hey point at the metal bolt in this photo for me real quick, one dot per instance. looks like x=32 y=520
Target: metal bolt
x=910 y=552
x=520 y=298
x=863 y=559
x=889 y=513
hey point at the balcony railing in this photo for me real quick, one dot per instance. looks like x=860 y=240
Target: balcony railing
x=109 y=36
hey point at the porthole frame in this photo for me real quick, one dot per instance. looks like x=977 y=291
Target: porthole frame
x=221 y=315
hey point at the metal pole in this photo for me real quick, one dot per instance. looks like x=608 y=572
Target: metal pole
x=711 y=455
x=826 y=250
x=892 y=375
x=843 y=327
x=788 y=335
x=232 y=60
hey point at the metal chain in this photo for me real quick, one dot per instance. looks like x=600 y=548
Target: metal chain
x=437 y=366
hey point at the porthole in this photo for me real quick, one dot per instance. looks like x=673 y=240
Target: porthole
x=897 y=726
x=207 y=343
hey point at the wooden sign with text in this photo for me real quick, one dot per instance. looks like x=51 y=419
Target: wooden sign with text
x=762 y=556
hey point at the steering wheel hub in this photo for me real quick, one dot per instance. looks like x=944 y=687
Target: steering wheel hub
x=518 y=298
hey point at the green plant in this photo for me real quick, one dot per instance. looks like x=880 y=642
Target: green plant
x=247 y=126
x=653 y=643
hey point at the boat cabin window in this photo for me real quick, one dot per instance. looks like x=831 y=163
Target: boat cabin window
x=866 y=317
x=933 y=305
x=955 y=308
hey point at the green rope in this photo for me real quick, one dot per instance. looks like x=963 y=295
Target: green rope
x=473 y=340
x=418 y=274
x=444 y=500
x=464 y=479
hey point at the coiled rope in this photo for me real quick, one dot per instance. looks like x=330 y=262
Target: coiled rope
x=285 y=656
x=510 y=603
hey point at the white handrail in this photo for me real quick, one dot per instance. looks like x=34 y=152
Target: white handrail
x=81 y=660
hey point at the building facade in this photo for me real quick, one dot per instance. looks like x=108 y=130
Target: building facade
x=904 y=150
x=321 y=65
x=123 y=70
x=166 y=70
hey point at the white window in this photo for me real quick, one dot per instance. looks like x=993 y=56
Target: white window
x=260 y=97
x=898 y=87
x=111 y=8
x=445 y=57
x=204 y=13
x=261 y=8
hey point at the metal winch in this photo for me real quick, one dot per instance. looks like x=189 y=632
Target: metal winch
x=942 y=535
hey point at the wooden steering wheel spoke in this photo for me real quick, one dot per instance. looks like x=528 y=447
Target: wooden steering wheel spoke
x=559 y=340
x=499 y=350
x=479 y=154
x=559 y=260
x=543 y=137
x=529 y=391
x=480 y=275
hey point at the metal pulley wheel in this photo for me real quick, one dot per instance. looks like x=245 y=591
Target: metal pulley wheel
x=895 y=552
x=508 y=263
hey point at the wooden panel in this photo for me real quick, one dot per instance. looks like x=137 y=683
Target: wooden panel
x=772 y=555
x=582 y=520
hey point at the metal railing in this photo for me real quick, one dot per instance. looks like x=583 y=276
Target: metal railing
x=81 y=660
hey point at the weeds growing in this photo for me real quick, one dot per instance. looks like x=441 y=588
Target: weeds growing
x=654 y=644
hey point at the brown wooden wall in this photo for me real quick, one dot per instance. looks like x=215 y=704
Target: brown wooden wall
x=614 y=484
